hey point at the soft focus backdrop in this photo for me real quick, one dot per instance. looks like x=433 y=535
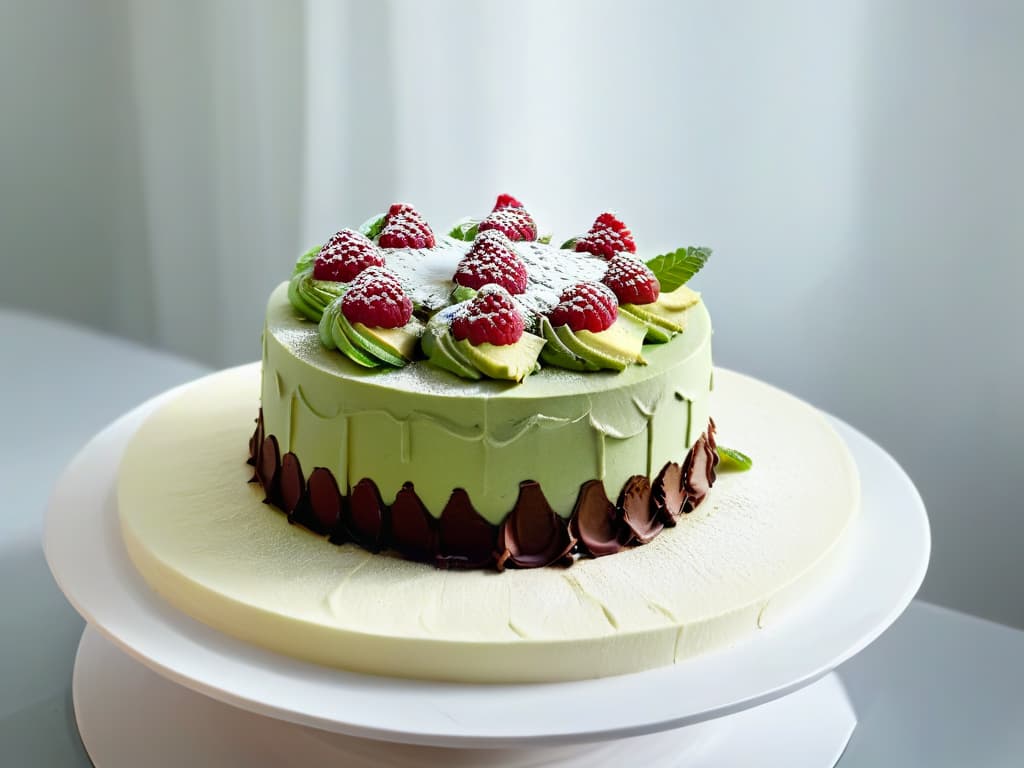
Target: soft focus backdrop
x=857 y=167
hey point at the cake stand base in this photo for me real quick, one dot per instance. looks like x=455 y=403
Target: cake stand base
x=129 y=715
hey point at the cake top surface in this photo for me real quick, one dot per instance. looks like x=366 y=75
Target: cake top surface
x=301 y=337
x=493 y=299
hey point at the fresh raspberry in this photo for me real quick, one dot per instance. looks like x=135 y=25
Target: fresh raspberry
x=632 y=280
x=491 y=259
x=607 y=237
x=506 y=201
x=405 y=228
x=345 y=255
x=515 y=223
x=586 y=307
x=490 y=317
x=376 y=299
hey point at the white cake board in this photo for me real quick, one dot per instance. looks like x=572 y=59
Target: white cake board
x=886 y=558
x=130 y=716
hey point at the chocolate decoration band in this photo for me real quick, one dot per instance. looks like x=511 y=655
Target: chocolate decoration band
x=532 y=535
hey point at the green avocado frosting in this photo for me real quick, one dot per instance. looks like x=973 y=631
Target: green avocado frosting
x=311 y=296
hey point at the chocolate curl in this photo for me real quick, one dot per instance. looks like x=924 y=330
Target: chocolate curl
x=365 y=516
x=713 y=445
x=325 y=505
x=532 y=535
x=596 y=523
x=465 y=539
x=413 y=529
x=667 y=494
x=268 y=470
x=637 y=511
x=293 y=484
x=698 y=473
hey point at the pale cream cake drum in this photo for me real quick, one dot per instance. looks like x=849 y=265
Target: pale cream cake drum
x=204 y=541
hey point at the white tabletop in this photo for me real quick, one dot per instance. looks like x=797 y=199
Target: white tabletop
x=940 y=688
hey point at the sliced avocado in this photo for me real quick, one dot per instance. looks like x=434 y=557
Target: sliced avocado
x=451 y=358
x=624 y=338
x=343 y=343
x=681 y=298
x=557 y=354
x=656 y=333
x=592 y=355
x=669 y=311
x=672 y=321
x=513 y=362
x=553 y=356
x=366 y=344
x=400 y=342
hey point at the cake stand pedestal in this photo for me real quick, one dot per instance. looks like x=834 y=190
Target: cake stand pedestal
x=154 y=687
x=129 y=715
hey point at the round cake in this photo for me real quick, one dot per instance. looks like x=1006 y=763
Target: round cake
x=495 y=459
x=486 y=399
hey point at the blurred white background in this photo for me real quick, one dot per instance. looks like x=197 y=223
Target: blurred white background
x=857 y=167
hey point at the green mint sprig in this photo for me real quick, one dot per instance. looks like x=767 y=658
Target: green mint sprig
x=675 y=268
x=570 y=243
x=373 y=226
x=733 y=459
x=465 y=230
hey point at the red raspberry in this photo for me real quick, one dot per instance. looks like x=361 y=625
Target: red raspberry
x=506 y=201
x=586 y=307
x=607 y=237
x=490 y=317
x=405 y=228
x=345 y=255
x=491 y=259
x=376 y=299
x=515 y=223
x=632 y=280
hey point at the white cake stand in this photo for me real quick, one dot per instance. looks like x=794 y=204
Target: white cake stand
x=154 y=687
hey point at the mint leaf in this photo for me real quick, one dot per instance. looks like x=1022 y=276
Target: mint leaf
x=733 y=459
x=546 y=239
x=305 y=261
x=465 y=229
x=570 y=243
x=372 y=226
x=674 y=269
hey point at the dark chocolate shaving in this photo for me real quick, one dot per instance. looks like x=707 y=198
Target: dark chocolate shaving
x=637 y=510
x=293 y=483
x=268 y=470
x=532 y=535
x=465 y=539
x=413 y=529
x=365 y=516
x=667 y=494
x=596 y=523
x=698 y=473
x=325 y=504
x=713 y=445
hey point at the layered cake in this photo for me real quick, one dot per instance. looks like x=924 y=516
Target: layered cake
x=485 y=456
x=486 y=399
